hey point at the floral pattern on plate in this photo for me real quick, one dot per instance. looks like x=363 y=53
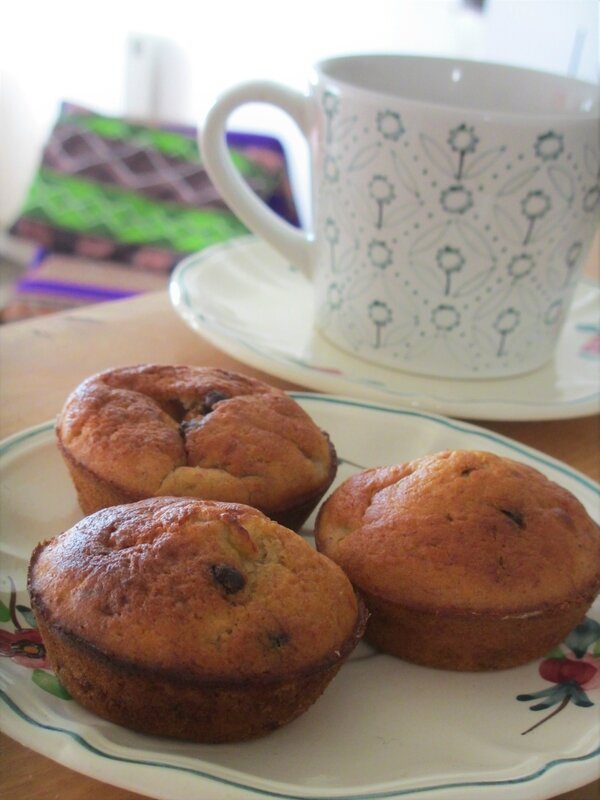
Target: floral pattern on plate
x=24 y=645
x=573 y=669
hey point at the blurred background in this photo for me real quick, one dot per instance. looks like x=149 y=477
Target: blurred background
x=164 y=62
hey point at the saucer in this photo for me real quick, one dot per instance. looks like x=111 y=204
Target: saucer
x=248 y=301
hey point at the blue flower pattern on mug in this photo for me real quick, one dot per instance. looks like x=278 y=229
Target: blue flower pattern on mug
x=456 y=199
x=423 y=195
x=383 y=192
x=379 y=254
x=450 y=260
x=389 y=124
x=549 y=146
x=462 y=140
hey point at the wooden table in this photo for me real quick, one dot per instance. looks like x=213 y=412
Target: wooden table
x=42 y=359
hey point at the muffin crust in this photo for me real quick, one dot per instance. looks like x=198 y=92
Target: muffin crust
x=153 y=430
x=466 y=560
x=170 y=614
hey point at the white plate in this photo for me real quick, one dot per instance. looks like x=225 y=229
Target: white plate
x=383 y=729
x=248 y=301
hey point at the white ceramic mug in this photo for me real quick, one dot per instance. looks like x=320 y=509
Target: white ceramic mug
x=453 y=207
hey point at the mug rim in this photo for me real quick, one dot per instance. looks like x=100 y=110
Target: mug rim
x=324 y=65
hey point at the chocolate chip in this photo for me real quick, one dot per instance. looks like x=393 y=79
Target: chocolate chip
x=229 y=578
x=514 y=516
x=278 y=639
x=194 y=417
x=211 y=399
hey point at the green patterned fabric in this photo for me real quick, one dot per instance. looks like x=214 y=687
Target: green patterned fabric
x=123 y=215
x=112 y=189
x=169 y=143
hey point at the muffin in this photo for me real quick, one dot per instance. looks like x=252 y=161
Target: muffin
x=192 y=619
x=466 y=560
x=150 y=430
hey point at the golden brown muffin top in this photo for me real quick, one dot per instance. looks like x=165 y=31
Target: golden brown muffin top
x=462 y=530
x=195 y=431
x=199 y=588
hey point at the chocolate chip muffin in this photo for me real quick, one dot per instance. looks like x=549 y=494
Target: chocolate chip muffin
x=153 y=430
x=466 y=560
x=192 y=619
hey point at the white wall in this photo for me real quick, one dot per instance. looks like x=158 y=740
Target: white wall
x=68 y=49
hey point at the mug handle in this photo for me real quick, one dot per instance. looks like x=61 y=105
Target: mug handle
x=294 y=244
